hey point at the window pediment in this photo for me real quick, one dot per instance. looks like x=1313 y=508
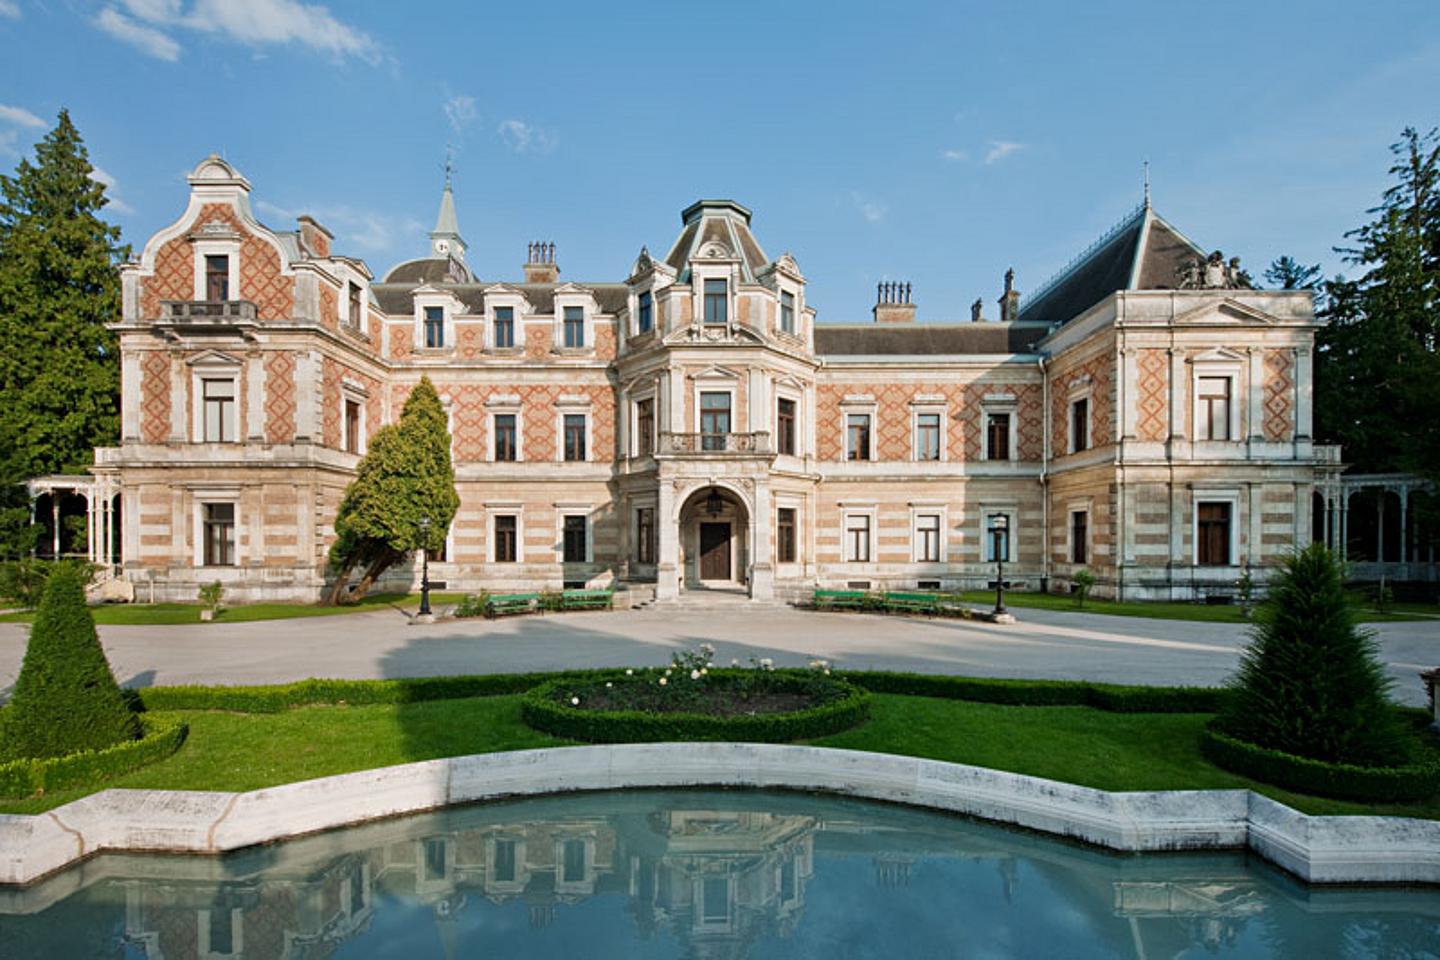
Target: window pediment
x=214 y=358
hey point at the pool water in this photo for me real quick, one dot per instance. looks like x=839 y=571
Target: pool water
x=703 y=875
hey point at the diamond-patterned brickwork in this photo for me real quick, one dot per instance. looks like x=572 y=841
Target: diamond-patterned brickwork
x=1279 y=387
x=280 y=397
x=894 y=418
x=1150 y=404
x=1100 y=369
x=260 y=276
x=155 y=396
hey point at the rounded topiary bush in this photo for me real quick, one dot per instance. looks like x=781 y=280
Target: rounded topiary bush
x=66 y=699
x=764 y=706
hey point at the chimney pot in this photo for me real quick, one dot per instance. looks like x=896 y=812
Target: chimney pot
x=893 y=303
x=540 y=266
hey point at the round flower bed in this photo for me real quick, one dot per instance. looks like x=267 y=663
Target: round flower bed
x=697 y=703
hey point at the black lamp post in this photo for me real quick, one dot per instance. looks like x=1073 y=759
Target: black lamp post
x=1000 y=533
x=425 y=566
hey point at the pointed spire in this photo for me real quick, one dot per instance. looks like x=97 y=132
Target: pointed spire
x=445 y=239
x=1147 y=183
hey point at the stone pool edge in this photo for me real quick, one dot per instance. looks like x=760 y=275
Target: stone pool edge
x=1391 y=850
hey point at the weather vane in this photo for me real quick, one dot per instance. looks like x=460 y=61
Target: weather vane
x=449 y=163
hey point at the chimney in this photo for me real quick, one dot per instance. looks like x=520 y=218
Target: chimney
x=540 y=266
x=314 y=237
x=977 y=311
x=1010 y=299
x=892 y=303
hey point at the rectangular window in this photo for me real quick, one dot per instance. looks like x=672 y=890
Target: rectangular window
x=504 y=861
x=506 y=448
x=354 y=294
x=1214 y=396
x=715 y=300
x=1079 y=534
x=219 y=534
x=716 y=908
x=645 y=535
x=927 y=436
x=434 y=859
x=857 y=436
x=352 y=426
x=504 y=328
x=645 y=427
x=787 y=312
x=857 y=538
x=997 y=436
x=506 y=542
x=574 y=867
x=785 y=427
x=219 y=398
x=785 y=534
x=434 y=327
x=714 y=420
x=1079 y=425
x=997 y=540
x=222 y=931
x=927 y=538
x=1212 y=528
x=217 y=277
x=574 y=436
x=574 y=327
x=646 y=320
x=574 y=539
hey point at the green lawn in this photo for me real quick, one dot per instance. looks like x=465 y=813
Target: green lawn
x=1162 y=610
x=164 y=614
x=1111 y=751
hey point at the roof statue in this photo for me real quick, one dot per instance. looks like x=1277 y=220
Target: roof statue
x=1213 y=273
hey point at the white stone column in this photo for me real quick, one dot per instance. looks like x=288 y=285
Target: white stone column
x=1255 y=396
x=1404 y=521
x=255 y=397
x=676 y=418
x=1129 y=381
x=307 y=387
x=1177 y=526
x=1177 y=395
x=1304 y=393
x=1253 y=555
x=667 y=587
x=90 y=531
x=762 y=571
x=1344 y=544
x=179 y=406
x=1380 y=526
x=131 y=396
x=622 y=422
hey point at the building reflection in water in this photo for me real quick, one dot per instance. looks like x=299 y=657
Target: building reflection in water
x=700 y=875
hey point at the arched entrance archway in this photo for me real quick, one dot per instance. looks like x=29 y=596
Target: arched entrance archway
x=715 y=538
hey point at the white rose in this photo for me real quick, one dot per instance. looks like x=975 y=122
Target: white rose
x=663 y=681
x=694 y=674
x=574 y=701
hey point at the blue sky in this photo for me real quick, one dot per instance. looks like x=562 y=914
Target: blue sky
x=934 y=143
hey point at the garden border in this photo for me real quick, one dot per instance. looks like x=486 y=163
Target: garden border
x=1316 y=849
x=1343 y=781
x=26 y=777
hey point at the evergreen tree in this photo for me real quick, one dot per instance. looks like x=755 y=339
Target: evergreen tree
x=1310 y=683
x=66 y=698
x=59 y=365
x=405 y=475
x=1288 y=274
x=1376 y=359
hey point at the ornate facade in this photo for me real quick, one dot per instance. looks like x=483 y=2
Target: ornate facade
x=693 y=426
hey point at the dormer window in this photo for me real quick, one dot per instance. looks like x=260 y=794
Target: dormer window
x=354 y=297
x=217 y=277
x=645 y=320
x=434 y=327
x=574 y=327
x=715 y=300
x=504 y=328
x=787 y=312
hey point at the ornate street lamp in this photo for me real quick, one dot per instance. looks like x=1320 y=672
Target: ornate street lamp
x=425 y=566
x=999 y=538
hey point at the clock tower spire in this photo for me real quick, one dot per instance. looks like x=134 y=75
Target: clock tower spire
x=445 y=239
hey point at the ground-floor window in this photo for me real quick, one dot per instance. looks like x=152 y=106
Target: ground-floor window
x=927 y=538
x=573 y=543
x=1079 y=531
x=785 y=535
x=857 y=538
x=1212 y=528
x=645 y=535
x=506 y=531
x=219 y=534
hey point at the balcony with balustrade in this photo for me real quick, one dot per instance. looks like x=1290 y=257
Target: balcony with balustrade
x=214 y=316
x=693 y=446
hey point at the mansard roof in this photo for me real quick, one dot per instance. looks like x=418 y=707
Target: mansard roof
x=1141 y=252
x=707 y=223
x=429 y=270
x=398 y=298
x=924 y=339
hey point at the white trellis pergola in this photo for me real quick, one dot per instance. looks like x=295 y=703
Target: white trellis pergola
x=99 y=492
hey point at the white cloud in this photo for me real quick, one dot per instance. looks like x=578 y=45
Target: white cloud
x=9 y=8
x=1000 y=149
x=146 y=39
x=871 y=209
x=523 y=137
x=355 y=228
x=956 y=156
x=254 y=23
x=104 y=178
x=460 y=112
x=19 y=115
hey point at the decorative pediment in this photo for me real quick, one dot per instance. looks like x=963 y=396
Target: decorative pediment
x=700 y=334
x=214 y=358
x=572 y=287
x=716 y=373
x=789 y=382
x=714 y=250
x=1228 y=310
x=215 y=230
x=786 y=264
x=1218 y=355
x=503 y=290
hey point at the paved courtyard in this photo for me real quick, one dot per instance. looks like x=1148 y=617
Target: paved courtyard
x=383 y=644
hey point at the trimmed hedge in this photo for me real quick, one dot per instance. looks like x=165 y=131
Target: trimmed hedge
x=541 y=710
x=161 y=737
x=1342 y=781
x=1043 y=693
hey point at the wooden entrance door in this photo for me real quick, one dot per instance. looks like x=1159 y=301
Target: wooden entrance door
x=714 y=551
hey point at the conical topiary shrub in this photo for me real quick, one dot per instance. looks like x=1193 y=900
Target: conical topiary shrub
x=66 y=699
x=1310 y=683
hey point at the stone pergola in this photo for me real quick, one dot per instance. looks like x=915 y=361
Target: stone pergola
x=100 y=493
x=1336 y=489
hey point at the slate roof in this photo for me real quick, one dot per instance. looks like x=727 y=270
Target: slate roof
x=1142 y=252
x=722 y=221
x=924 y=339
x=423 y=270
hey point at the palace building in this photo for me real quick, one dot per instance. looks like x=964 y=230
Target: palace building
x=1145 y=415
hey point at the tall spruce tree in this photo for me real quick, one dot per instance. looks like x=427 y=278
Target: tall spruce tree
x=405 y=475
x=1376 y=360
x=59 y=287
x=1287 y=273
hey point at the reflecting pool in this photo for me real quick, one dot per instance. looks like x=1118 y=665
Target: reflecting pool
x=704 y=875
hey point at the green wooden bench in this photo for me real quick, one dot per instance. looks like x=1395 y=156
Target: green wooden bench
x=840 y=599
x=505 y=604
x=912 y=602
x=587 y=599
